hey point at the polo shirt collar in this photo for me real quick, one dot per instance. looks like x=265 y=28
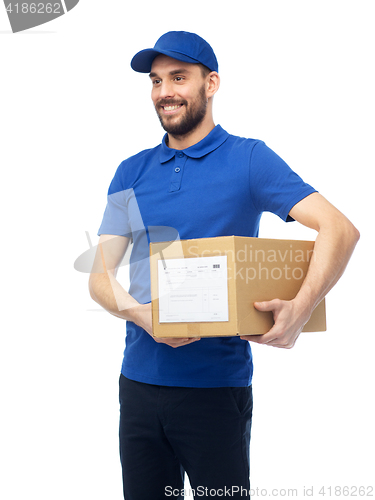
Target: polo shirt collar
x=212 y=141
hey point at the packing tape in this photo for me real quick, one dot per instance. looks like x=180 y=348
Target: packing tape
x=193 y=329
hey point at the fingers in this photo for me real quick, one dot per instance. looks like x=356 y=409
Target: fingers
x=276 y=337
x=261 y=306
x=266 y=338
x=274 y=342
x=175 y=342
x=259 y=339
x=271 y=335
x=267 y=305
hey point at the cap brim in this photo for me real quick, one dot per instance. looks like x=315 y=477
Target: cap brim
x=143 y=60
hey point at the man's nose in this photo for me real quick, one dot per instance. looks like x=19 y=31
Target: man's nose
x=166 y=90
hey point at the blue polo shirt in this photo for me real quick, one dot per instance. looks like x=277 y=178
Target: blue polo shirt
x=217 y=187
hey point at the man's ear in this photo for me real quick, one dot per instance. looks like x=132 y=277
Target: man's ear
x=213 y=83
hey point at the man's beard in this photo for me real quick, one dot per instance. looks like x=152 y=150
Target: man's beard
x=194 y=115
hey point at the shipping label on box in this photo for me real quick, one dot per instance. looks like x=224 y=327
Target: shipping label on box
x=193 y=290
x=207 y=287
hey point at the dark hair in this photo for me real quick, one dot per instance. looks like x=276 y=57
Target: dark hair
x=205 y=71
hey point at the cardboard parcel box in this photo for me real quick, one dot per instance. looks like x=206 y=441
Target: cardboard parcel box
x=206 y=287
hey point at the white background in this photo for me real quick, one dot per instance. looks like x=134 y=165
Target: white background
x=296 y=74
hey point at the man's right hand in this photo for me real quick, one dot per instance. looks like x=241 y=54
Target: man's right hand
x=143 y=318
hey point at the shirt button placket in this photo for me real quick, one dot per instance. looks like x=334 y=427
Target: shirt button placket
x=180 y=160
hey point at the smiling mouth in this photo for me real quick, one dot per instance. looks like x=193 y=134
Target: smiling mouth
x=172 y=108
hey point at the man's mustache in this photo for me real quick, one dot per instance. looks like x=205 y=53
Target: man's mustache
x=169 y=102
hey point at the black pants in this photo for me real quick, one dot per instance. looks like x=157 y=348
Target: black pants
x=165 y=431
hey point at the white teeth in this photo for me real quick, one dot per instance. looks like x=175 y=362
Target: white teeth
x=171 y=108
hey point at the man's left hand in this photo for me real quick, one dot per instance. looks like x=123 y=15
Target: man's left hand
x=289 y=321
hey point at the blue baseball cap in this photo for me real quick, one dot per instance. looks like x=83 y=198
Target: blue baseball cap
x=181 y=45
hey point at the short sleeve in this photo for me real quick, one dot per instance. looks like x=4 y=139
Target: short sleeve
x=274 y=186
x=116 y=218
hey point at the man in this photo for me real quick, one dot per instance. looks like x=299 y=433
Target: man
x=186 y=403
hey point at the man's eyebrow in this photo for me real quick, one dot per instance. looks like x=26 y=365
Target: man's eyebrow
x=179 y=71
x=174 y=72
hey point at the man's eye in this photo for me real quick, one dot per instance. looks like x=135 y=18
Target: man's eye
x=179 y=78
x=155 y=82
